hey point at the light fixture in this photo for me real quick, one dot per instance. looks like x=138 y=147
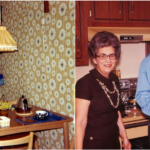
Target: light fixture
x=7 y=43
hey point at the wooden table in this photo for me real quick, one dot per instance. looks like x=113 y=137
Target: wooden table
x=16 y=127
x=136 y=124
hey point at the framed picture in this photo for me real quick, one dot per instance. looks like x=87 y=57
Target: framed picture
x=0 y=15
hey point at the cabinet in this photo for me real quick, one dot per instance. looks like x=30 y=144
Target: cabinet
x=107 y=14
x=111 y=11
x=147 y=48
x=139 y=11
x=120 y=13
x=81 y=35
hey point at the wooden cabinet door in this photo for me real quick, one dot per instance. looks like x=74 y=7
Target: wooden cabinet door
x=139 y=10
x=81 y=34
x=78 y=30
x=108 y=10
x=147 y=48
x=120 y=13
x=106 y=13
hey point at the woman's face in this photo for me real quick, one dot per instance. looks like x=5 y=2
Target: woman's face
x=105 y=65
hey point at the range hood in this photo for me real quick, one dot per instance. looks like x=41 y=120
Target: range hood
x=124 y=34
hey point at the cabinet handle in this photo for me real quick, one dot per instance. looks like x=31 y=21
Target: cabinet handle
x=120 y=6
x=132 y=7
x=78 y=44
x=90 y=13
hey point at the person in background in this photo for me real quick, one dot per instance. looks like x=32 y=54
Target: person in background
x=98 y=122
x=142 y=95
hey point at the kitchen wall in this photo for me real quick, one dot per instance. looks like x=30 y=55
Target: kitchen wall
x=131 y=56
x=43 y=68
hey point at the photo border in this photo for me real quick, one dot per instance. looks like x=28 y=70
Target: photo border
x=0 y=15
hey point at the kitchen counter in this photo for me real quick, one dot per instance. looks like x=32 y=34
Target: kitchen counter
x=134 y=115
x=136 y=124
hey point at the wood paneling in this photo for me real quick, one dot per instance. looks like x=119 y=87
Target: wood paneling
x=139 y=10
x=81 y=34
x=108 y=10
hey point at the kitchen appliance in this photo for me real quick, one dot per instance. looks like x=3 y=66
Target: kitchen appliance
x=23 y=106
x=128 y=90
x=135 y=122
x=124 y=34
x=132 y=101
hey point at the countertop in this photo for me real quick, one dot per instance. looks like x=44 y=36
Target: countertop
x=135 y=118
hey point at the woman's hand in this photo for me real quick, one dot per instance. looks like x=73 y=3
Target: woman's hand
x=126 y=144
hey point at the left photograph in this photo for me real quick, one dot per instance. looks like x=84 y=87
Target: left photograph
x=37 y=74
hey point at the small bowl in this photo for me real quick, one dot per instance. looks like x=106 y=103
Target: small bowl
x=40 y=112
x=3 y=112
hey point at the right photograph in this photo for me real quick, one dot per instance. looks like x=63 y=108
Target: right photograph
x=112 y=91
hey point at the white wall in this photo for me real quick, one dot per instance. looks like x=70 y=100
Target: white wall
x=131 y=57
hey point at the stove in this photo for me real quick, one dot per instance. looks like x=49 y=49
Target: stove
x=128 y=83
x=128 y=88
x=135 y=122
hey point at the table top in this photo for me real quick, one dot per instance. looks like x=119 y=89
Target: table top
x=17 y=127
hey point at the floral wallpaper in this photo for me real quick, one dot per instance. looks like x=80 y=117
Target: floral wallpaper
x=43 y=68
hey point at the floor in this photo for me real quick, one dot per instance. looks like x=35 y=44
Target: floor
x=140 y=143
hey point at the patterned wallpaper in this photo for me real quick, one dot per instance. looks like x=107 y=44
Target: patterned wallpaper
x=43 y=68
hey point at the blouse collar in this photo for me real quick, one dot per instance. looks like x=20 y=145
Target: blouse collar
x=98 y=75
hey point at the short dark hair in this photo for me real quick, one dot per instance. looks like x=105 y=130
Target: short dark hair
x=104 y=39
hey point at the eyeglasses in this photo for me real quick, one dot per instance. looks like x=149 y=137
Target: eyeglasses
x=104 y=56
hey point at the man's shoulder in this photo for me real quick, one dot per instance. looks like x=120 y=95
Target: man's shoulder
x=146 y=61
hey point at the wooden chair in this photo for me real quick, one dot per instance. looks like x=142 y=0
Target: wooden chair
x=27 y=139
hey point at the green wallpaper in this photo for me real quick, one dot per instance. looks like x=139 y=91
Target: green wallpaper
x=43 y=68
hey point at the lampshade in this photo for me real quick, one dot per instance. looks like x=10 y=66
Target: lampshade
x=7 y=43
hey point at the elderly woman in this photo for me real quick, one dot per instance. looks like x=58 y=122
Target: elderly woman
x=98 y=119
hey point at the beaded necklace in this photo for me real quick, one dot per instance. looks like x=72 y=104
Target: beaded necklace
x=111 y=92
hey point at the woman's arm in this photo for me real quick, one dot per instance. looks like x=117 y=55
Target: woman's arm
x=81 y=113
x=123 y=134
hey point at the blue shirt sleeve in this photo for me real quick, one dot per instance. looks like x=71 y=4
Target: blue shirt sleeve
x=143 y=86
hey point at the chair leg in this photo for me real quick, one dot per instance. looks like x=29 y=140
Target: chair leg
x=35 y=145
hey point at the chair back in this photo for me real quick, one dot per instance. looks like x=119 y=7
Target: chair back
x=23 y=140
